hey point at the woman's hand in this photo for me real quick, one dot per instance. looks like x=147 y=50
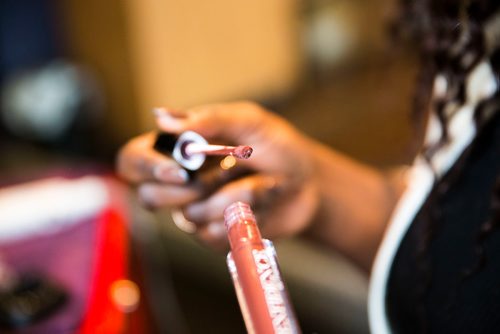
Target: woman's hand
x=278 y=180
x=292 y=182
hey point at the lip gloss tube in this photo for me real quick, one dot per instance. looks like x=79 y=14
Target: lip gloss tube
x=253 y=266
x=190 y=149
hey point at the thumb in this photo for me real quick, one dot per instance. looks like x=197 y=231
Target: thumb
x=231 y=121
x=235 y=123
x=241 y=123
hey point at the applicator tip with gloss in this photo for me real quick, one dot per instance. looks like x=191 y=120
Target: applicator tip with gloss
x=242 y=152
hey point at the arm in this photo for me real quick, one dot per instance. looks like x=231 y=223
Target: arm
x=356 y=204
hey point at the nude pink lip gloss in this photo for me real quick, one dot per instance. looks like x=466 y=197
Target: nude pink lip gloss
x=253 y=266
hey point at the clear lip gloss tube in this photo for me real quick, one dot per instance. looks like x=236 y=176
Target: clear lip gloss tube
x=253 y=266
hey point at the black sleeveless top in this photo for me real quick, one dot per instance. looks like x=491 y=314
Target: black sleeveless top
x=445 y=277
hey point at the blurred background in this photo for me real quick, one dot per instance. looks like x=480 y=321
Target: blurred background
x=79 y=78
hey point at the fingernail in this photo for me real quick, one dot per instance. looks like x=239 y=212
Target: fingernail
x=166 y=121
x=170 y=173
x=161 y=112
x=216 y=229
x=147 y=195
x=196 y=211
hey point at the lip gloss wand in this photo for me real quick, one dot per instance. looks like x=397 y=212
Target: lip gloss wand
x=190 y=149
x=256 y=276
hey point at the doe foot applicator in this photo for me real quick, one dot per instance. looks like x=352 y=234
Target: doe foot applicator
x=190 y=149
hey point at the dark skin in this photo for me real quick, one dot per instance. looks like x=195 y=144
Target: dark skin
x=294 y=184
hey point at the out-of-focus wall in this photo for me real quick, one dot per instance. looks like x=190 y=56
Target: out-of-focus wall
x=357 y=93
x=181 y=53
x=331 y=59
x=190 y=52
x=95 y=34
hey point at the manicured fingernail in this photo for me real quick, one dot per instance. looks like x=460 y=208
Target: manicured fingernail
x=147 y=195
x=216 y=229
x=161 y=112
x=170 y=173
x=166 y=121
x=196 y=211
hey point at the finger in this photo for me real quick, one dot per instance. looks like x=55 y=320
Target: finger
x=274 y=141
x=214 y=235
x=202 y=120
x=155 y=195
x=254 y=190
x=289 y=212
x=167 y=111
x=225 y=121
x=213 y=176
x=139 y=162
x=170 y=120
